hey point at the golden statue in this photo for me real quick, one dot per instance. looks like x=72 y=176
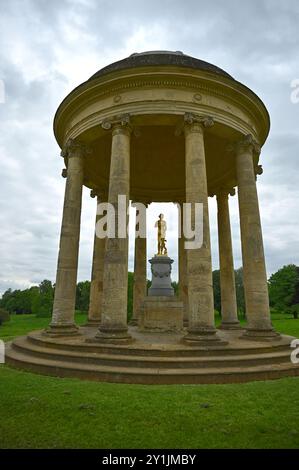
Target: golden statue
x=162 y=227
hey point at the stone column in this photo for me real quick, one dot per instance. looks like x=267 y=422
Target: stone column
x=199 y=267
x=96 y=285
x=229 y=313
x=139 y=286
x=183 y=284
x=113 y=327
x=66 y=278
x=255 y=277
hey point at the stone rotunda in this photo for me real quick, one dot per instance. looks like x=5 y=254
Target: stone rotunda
x=161 y=126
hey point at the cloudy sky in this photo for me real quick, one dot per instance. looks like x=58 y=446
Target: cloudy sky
x=49 y=47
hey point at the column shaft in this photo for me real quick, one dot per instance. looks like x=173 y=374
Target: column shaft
x=183 y=284
x=255 y=277
x=229 y=313
x=139 y=287
x=66 y=278
x=96 y=285
x=199 y=266
x=113 y=327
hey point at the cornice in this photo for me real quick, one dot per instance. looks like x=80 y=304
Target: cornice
x=144 y=108
x=206 y=83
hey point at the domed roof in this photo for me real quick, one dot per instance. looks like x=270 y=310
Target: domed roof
x=151 y=58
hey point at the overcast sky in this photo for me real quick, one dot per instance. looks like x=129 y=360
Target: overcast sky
x=49 y=47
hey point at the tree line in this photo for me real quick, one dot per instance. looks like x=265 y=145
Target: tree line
x=38 y=300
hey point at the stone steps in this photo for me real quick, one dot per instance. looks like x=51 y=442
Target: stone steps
x=22 y=345
x=152 y=363
x=148 y=375
x=153 y=350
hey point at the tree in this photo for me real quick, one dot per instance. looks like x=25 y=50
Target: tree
x=130 y=294
x=42 y=299
x=4 y=315
x=175 y=286
x=284 y=289
x=17 y=301
x=5 y=297
x=216 y=290
x=240 y=291
x=82 y=296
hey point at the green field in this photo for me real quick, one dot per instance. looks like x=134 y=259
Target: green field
x=45 y=412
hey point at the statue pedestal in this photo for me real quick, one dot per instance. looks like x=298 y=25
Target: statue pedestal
x=161 y=314
x=161 y=280
x=161 y=311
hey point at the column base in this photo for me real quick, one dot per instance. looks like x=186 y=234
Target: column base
x=203 y=336
x=90 y=322
x=233 y=325
x=260 y=335
x=112 y=336
x=62 y=330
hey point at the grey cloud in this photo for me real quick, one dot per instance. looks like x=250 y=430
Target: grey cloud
x=48 y=47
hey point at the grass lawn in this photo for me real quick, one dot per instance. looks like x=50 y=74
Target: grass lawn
x=21 y=325
x=45 y=412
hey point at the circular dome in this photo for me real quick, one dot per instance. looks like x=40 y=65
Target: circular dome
x=156 y=89
x=151 y=58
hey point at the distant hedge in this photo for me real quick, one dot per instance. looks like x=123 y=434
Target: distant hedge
x=4 y=315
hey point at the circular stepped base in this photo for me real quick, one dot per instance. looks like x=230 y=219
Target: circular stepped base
x=154 y=358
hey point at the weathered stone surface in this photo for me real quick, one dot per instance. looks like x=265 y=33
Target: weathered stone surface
x=229 y=315
x=113 y=325
x=255 y=276
x=183 y=277
x=161 y=276
x=160 y=313
x=174 y=153
x=140 y=281
x=154 y=358
x=96 y=285
x=66 y=278
x=160 y=58
x=199 y=264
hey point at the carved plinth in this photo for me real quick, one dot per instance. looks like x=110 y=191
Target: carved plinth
x=161 y=279
x=161 y=314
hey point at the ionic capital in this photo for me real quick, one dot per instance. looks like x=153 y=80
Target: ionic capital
x=194 y=123
x=245 y=144
x=258 y=169
x=205 y=121
x=74 y=148
x=118 y=124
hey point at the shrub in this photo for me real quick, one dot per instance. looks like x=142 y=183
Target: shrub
x=4 y=315
x=43 y=313
x=293 y=310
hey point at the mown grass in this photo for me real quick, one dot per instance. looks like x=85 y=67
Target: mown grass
x=46 y=412
x=21 y=324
